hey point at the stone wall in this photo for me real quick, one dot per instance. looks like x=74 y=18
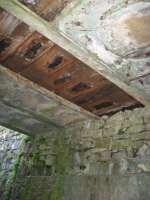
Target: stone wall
x=105 y=159
x=115 y=141
x=46 y=162
x=11 y=144
x=111 y=157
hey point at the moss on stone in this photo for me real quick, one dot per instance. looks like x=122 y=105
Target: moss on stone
x=42 y=140
x=57 y=189
x=46 y=195
x=27 y=192
x=13 y=176
x=103 y=143
x=63 y=164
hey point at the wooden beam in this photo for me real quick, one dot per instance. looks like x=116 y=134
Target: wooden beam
x=51 y=31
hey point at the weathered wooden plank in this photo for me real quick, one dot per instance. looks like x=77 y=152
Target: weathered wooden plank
x=47 y=9
x=51 y=32
x=12 y=33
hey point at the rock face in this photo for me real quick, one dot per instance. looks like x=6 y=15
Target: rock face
x=11 y=144
x=105 y=159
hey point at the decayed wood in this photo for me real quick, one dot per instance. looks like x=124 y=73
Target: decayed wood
x=12 y=33
x=47 y=9
x=43 y=62
x=49 y=31
x=26 y=53
x=82 y=83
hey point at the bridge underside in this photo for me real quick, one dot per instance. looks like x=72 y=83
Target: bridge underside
x=92 y=56
x=71 y=72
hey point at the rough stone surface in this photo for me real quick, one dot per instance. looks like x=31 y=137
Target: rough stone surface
x=111 y=157
x=10 y=150
x=31 y=109
x=106 y=159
